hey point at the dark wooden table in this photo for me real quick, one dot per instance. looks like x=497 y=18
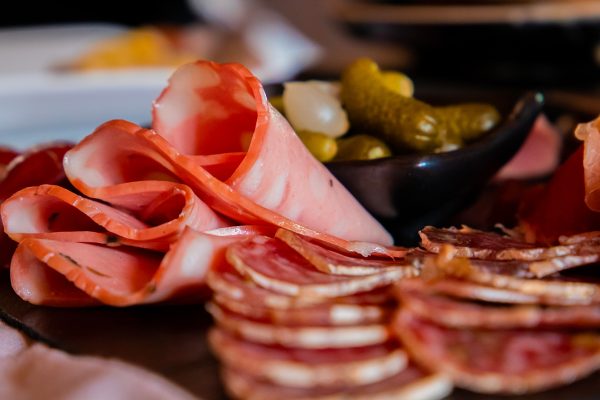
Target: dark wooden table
x=169 y=340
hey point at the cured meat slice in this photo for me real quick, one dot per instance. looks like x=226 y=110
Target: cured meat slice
x=556 y=289
x=305 y=337
x=454 y=313
x=589 y=133
x=37 y=166
x=334 y=262
x=412 y=383
x=467 y=290
x=277 y=181
x=118 y=276
x=472 y=243
x=162 y=210
x=224 y=280
x=306 y=368
x=325 y=314
x=272 y=264
x=538 y=156
x=502 y=361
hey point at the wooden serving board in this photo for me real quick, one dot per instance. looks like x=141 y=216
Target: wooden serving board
x=169 y=340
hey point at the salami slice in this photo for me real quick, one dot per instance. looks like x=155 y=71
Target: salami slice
x=503 y=361
x=334 y=262
x=224 y=280
x=472 y=243
x=163 y=210
x=305 y=337
x=412 y=383
x=272 y=264
x=119 y=276
x=454 y=313
x=324 y=314
x=557 y=290
x=306 y=368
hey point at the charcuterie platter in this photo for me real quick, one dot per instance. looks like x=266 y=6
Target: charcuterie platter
x=220 y=228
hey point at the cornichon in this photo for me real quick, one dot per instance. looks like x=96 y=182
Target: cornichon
x=404 y=122
x=361 y=147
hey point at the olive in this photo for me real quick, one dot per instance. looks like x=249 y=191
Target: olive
x=321 y=146
x=361 y=147
x=277 y=102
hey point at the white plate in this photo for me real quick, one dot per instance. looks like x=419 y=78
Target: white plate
x=40 y=103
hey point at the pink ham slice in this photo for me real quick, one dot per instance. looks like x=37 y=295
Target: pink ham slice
x=159 y=212
x=211 y=111
x=74 y=274
x=505 y=361
x=38 y=165
x=309 y=368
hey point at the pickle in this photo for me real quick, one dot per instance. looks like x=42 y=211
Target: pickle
x=469 y=121
x=402 y=122
x=277 y=102
x=361 y=147
x=321 y=146
x=398 y=82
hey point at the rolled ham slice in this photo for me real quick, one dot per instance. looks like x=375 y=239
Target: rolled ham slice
x=159 y=212
x=212 y=115
x=59 y=273
x=505 y=361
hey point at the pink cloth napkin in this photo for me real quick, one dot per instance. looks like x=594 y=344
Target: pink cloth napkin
x=34 y=371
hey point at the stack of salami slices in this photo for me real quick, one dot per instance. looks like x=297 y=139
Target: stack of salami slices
x=499 y=315
x=299 y=320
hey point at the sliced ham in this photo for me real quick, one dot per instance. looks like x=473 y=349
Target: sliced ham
x=538 y=156
x=502 y=361
x=62 y=273
x=412 y=383
x=211 y=110
x=272 y=264
x=159 y=212
x=334 y=262
x=308 y=368
x=304 y=337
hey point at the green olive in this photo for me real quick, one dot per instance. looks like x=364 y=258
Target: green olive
x=361 y=147
x=321 y=146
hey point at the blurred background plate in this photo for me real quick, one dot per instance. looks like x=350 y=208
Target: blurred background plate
x=40 y=101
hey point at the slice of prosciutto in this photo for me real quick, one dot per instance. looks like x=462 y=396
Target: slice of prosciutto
x=215 y=130
x=509 y=361
x=308 y=368
x=59 y=273
x=412 y=383
x=273 y=265
x=158 y=214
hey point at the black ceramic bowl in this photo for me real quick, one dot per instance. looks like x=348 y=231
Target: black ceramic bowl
x=408 y=192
